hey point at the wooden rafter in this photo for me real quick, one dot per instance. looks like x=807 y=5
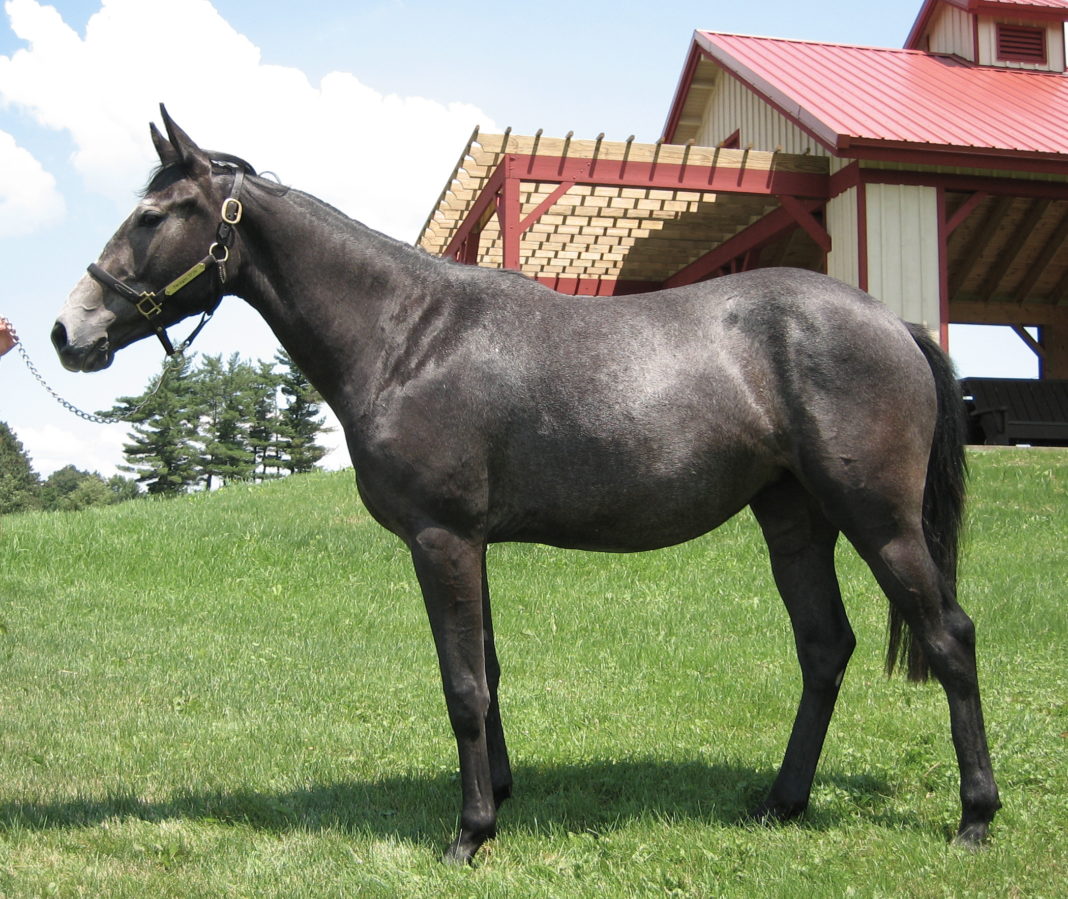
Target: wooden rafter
x=570 y=211
x=1010 y=252
x=980 y=240
x=1050 y=249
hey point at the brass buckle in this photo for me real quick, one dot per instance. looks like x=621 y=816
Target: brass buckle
x=152 y=308
x=232 y=210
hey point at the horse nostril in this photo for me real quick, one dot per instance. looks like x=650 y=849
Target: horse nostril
x=59 y=337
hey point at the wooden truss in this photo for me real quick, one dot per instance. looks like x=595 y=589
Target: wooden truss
x=603 y=217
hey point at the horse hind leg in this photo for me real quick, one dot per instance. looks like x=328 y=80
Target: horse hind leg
x=801 y=544
x=904 y=568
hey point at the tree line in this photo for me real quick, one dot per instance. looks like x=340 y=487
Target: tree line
x=197 y=425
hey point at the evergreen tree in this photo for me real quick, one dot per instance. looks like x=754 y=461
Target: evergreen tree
x=263 y=424
x=229 y=394
x=299 y=421
x=20 y=486
x=163 y=452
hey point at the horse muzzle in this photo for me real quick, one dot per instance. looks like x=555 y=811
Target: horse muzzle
x=80 y=334
x=92 y=357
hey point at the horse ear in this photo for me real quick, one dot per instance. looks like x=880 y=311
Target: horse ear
x=188 y=153
x=167 y=154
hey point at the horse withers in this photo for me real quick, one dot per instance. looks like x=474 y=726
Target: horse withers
x=479 y=406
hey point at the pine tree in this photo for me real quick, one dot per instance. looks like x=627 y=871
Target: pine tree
x=20 y=487
x=229 y=394
x=163 y=452
x=263 y=423
x=299 y=421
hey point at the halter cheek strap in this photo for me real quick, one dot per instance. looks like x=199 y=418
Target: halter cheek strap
x=150 y=303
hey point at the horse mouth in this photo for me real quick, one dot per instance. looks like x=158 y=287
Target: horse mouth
x=96 y=357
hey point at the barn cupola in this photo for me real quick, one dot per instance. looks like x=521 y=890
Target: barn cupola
x=1011 y=34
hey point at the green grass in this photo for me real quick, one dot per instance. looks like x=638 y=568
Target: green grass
x=237 y=694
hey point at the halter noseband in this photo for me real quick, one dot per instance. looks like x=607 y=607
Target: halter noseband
x=150 y=303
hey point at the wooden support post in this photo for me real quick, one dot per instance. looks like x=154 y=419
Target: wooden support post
x=508 y=209
x=1054 y=336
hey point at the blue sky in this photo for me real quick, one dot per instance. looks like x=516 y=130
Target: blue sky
x=367 y=104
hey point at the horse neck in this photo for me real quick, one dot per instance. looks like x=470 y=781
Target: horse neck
x=327 y=286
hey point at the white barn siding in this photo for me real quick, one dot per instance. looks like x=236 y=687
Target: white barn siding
x=734 y=107
x=951 y=32
x=843 y=262
x=902 y=222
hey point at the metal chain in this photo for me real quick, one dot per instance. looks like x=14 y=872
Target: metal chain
x=170 y=364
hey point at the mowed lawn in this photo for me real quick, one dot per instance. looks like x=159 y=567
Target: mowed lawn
x=236 y=694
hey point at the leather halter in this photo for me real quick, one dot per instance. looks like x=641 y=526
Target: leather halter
x=150 y=303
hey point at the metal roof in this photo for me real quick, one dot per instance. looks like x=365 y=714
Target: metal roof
x=1011 y=5
x=852 y=98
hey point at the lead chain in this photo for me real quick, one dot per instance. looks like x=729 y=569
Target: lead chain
x=169 y=365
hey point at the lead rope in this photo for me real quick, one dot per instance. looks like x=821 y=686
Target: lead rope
x=168 y=366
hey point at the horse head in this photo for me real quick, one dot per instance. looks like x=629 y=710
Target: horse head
x=171 y=258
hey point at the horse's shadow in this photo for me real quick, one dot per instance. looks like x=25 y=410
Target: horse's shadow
x=595 y=797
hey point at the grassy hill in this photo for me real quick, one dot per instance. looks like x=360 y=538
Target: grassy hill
x=237 y=694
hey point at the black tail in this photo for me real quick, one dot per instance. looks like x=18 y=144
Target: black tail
x=943 y=499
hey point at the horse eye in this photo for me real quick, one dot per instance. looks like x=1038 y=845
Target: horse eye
x=150 y=218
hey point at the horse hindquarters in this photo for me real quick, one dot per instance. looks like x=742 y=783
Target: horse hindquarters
x=906 y=528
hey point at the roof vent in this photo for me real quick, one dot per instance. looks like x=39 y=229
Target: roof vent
x=1021 y=43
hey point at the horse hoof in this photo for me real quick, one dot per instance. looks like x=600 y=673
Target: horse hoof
x=769 y=813
x=458 y=858
x=972 y=836
x=463 y=849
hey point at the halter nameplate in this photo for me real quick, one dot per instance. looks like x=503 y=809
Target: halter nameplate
x=178 y=283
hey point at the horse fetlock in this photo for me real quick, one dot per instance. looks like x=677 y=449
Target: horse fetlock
x=475 y=829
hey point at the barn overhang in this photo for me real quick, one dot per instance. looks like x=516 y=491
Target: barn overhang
x=606 y=217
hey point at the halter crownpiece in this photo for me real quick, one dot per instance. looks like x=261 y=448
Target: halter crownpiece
x=150 y=303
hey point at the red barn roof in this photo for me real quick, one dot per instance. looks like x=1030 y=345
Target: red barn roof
x=873 y=103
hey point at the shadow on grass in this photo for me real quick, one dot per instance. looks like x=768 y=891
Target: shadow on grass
x=596 y=797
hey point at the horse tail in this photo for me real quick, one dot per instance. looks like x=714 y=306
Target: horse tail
x=943 y=500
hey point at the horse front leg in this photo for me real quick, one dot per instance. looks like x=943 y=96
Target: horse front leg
x=450 y=572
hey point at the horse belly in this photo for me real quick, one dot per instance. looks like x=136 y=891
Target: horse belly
x=601 y=502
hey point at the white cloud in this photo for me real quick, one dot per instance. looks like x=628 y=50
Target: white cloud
x=381 y=158
x=51 y=447
x=28 y=195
